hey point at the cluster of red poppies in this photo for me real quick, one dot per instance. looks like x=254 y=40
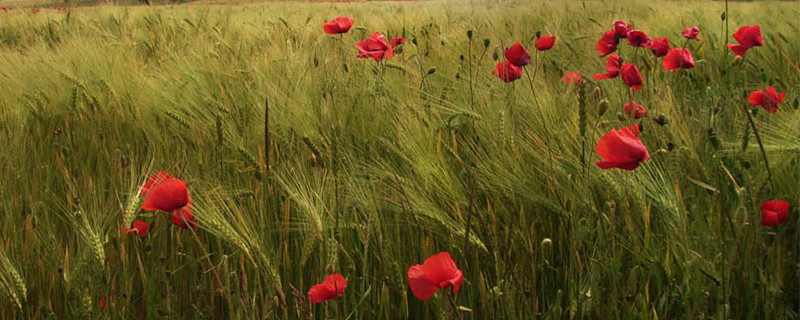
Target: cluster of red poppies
x=517 y=58
x=375 y=47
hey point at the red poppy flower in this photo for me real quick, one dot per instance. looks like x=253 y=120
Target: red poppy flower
x=184 y=218
x=768 y=99
x=621 y=28
x=621 y=149
x=748 y=37
x=153 y=181
x=608 y=43
x=396 y=42
x=638 y=38
x=517 y=55
x=139 y=228
x=507 y=71
x=104 y=300
x=169 y=195
x=545 y=42
x=691 y=33
x=774 y=212
x=638 y=111
x=438 y=271
x=6 y=9
x=678 y=58
x=659 y=46
x=332 y=287
x=374 y=47
x=338 y=25
x=572 y=77
x=631 y=76
x=612 y=65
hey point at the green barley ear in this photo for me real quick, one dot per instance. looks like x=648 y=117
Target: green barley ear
x=178 y=118
x=12 y=282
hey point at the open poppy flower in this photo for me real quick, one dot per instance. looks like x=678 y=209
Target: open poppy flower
x=638 y=111
x=774 y=212
x=517 y=55
x=572 y=77
x=374 y=47
x=545 y=42
x=169 y=195
x=438 y=271
x=678 y=58
x=140 y=228
x=507 y=71
x=621 y=149
x=338 y=25
x=748 y=37
x=631 y=76
x=638 y=38
x=608 y=43
x=659 y=46
x=767 y=99
x=333 y=286
x=621 y=28
x=691 y=33
x=612 y=66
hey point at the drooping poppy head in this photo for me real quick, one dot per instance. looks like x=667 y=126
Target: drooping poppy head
x=338 y=25
x=638 y=38
x=517 y=55
x=748 y=37
x=139 y=228
x=768 y=99
x=169 y=195
x=621 y=28
x=333 y=286
x=638 y=111
x=621 y=149
x=659 y=46
x=691 y=33
x=774 y=212
x=572 y=77
x=631 y=76
x=438 y=271
x=612 y=66
x=374 y=47
x=678 y=58
x=507 y=71
x=608 y=43
x=396 y=42
x=545 y=42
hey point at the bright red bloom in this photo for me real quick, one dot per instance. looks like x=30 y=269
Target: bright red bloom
x=748 y=37
x=169 y=195
x=507 y=71
x=545 y=42
x=638 y=111
x=438 y=271
x=6 y=9
x=332 y=287
x=184 y=218
x=572 y=77
x=691 y=33
x=153 y=181
x=612 y=65
x=678 y=58
x=139 y=228
x=768 y=99
x=659 y=46
x=774 y=212
x=517 y=55
x=374 y=47
x=638 y=38
x=621 y=28
x=338 y=25
x=608 y=43
x=631 y=76
x=396 y=42
x=621 y=149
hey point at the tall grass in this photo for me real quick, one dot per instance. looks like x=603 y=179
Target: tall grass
x=404 y=152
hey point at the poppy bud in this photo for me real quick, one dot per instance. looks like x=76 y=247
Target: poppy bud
x=660 y=120
x=431 y=71
x=596 y=92
x=722 y=16
x=796 y=103
x=538 y=34
x=547 y=242
x=458 y=75
x=461 y=57
x=414 y=41
x=670 y=146
x=602 y=107
x=469 y=34
x=486 y=42
x=312 y=159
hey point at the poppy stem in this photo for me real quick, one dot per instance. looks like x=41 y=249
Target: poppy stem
x=760 y=144
x=266 y=137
